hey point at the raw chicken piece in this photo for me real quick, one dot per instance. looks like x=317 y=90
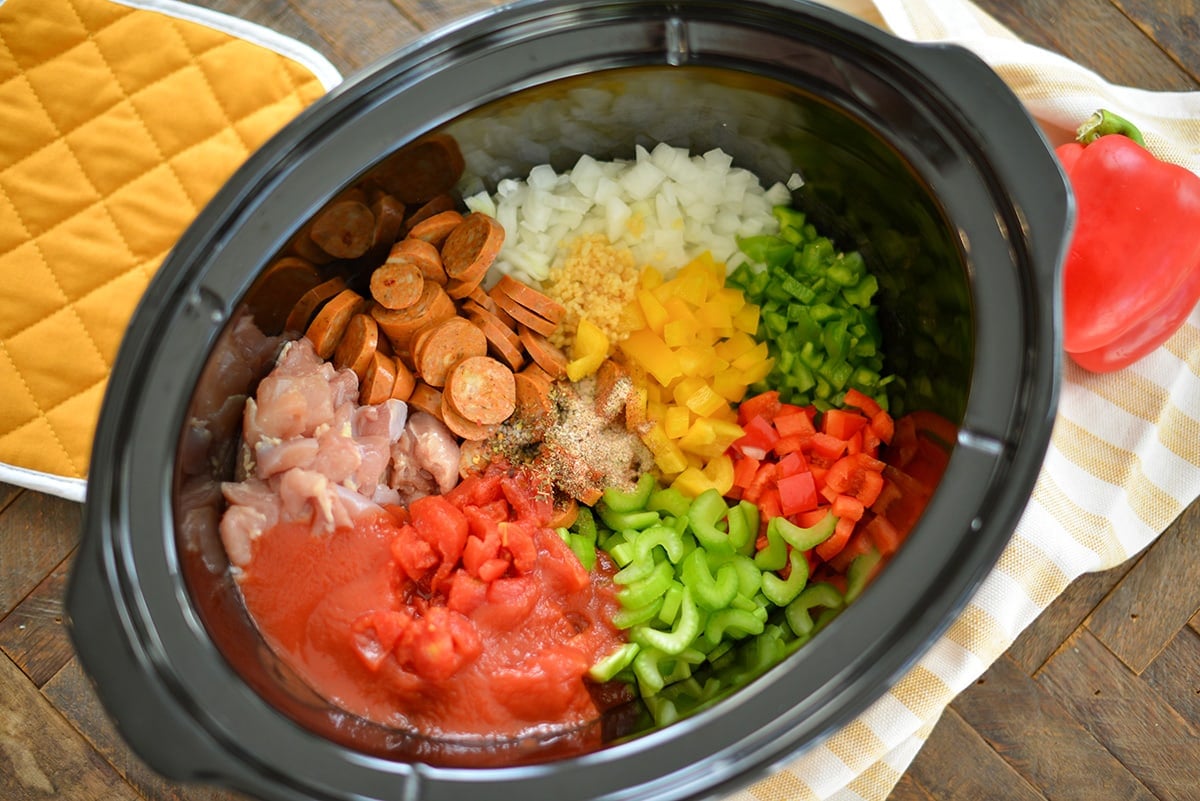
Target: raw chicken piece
x=254 y=508
x=295 y=399
x=424 y=459
x=312 y=455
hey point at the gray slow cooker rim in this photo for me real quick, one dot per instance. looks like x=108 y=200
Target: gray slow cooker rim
x=113 y=505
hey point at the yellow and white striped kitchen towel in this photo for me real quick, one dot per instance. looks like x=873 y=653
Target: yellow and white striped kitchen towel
x=1124 y=459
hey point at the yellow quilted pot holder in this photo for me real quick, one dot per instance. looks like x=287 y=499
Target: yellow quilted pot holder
x=117 y=124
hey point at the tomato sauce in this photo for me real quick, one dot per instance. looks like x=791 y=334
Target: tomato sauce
x=464 y=616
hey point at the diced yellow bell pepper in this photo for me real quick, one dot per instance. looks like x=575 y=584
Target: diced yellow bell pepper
x=651 y=278
x=758 y=371
x=729 y=385
x=680 y=332
x=648 y=350
x=684 y=388
x=653 y=311
x=746 y=319
x=755 y=355
x=733 y=347
x=704 y=401
x=676 y=421
x=719 y=473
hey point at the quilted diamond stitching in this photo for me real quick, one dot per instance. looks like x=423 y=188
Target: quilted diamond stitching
x=63 y=415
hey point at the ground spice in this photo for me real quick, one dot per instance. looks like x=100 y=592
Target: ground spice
x=582 y=451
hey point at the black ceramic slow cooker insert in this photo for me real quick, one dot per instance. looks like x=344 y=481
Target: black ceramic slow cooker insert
x=916 y=155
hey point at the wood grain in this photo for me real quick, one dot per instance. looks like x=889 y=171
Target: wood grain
x=1125 y=715
x=1136 y=621
x=72 y=695
x=1041 y=740
x=33 y=635
x=41 y=756
x=959 y=763
x=36 y=534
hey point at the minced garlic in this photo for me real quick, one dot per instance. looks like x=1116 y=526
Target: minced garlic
x=596 y=280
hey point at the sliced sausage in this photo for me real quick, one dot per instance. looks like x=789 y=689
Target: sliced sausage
x=432 y=207
x=535 y=404
x=435 y=228
x=275 y=294
x=445 y=344
x=405 y=381
x=482 y=390
x=425 y=398
x=545 y=354
x=302 y=313
x=400 y=324
x=379 y=380
x=502 y=341
x=472 y=247
x=423 y=169
x=326 y=329
x=460 y=425
x=537 y=302
x=473 y=457
x=523 y=315
x=359 y=343
x=344 y=229
x=397 y=284
x=389 y=221
x=421 y=253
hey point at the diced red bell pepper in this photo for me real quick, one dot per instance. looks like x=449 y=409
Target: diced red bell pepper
x=885 y=536
x=797 y=493
x=791 y=423
x=764 y=404
x=745 y=468
x=825 y=445
x=790 y=465
x=861 y=401
x=847 y=507
x=837 y=541
x=841 y=423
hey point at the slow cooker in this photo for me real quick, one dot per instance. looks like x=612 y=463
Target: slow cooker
x=916 y=155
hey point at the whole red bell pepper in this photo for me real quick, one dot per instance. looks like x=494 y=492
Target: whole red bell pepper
x=1132 y=273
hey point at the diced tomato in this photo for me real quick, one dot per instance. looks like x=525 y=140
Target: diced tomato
x=764 y=404
x=493 y=569
x=841 y=423
x=526 y=502
x=412 y=553
x=837 y=541
x=476 y=490
x=562 y=568
x=861 y=401
x=441 y=524
x=439 y=644
x=466 y=594
x=517 y=539
x=374 y=635
x=797 y=493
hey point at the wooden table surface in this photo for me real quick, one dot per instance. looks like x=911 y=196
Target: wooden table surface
x=1098 y=699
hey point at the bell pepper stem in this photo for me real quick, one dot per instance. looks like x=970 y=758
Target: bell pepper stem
x=1103 y=123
